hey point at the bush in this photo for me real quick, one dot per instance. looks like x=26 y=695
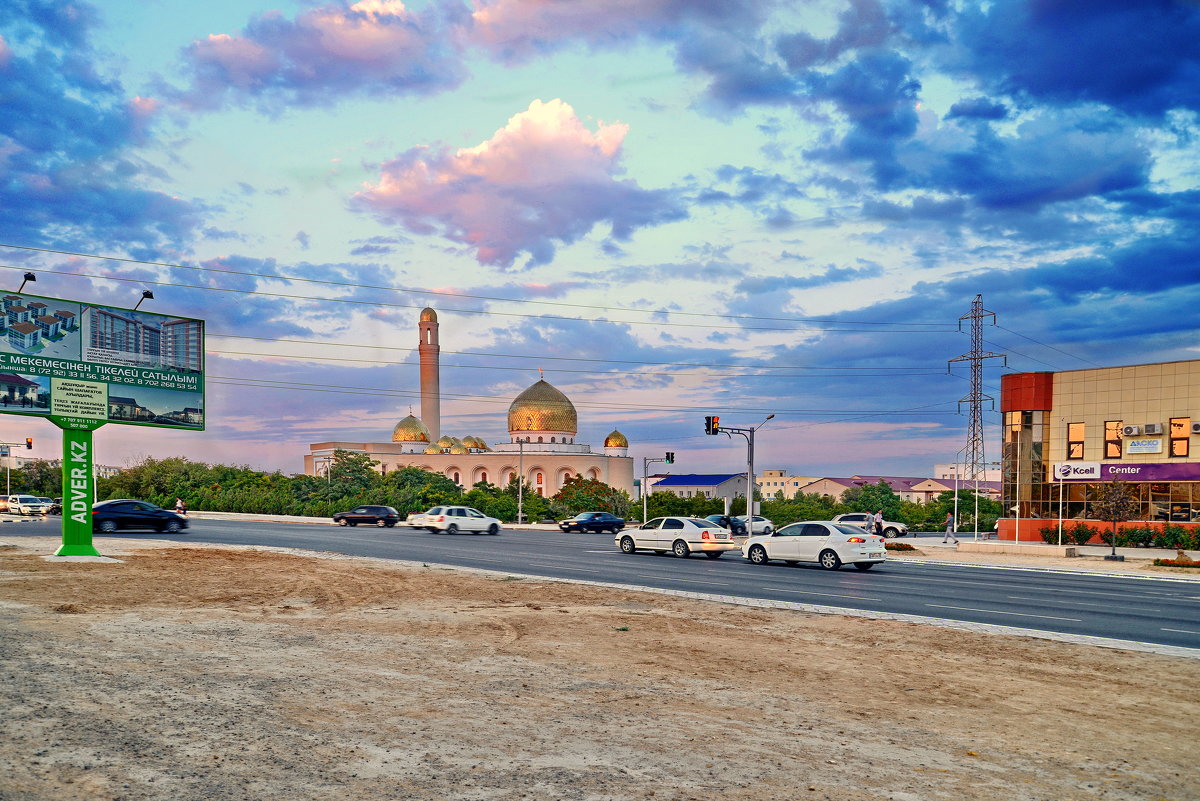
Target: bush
x=1050 y=534
x=1079 y=534
x=1135 y=537
x=898 y=546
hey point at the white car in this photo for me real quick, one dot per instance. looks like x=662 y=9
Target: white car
x=27 y=505
x=453 y=519
x=761 y=525
x=866 y=521
x=679 y=535
x=830 y=545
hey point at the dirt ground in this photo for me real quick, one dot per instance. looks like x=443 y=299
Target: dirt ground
x=227 y=673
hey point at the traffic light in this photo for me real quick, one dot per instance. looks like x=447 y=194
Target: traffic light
x=670 y=457
x=711 y=424
x=29 y=443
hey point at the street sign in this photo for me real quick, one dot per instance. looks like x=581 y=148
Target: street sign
x=86 y=364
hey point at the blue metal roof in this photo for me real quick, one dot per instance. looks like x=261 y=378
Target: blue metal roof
x=697 y=479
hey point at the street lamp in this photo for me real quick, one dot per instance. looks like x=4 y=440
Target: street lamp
x=146 y=295
x=28 y=277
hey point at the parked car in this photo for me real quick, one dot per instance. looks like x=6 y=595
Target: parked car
x=26 y=505
x=760 y=525
x=453 y=519
x=830 y=545
x=55 y=507
x=368 y=515
x=865 y=520
x=679 y=535
x=598 y=522
x=736 y=525
x=124 y=513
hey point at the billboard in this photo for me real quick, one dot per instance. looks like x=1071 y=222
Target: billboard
x=83 y=362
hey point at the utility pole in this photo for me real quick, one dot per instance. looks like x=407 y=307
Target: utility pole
x=646 y=460
x=973 y=459
x=713 y=426
x=520 y=481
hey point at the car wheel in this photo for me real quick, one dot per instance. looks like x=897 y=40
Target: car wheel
x=171 y=527
x=452 y=529
x=627 y=545
x=493 y=529
x=108 y=526
x=758 y=555
x=864 y=565
x=891 y=533
x=829 y=560
x=391 y=525
x=713 y=554
x=342 y=522
x=351 y=523
x=768 y=530
x=681 y=549
x=381 y=523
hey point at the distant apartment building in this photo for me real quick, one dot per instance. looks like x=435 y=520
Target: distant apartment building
x=908 y=488
x=772 y=482
x=947 y=472
x=24 y=335
x=183 y=345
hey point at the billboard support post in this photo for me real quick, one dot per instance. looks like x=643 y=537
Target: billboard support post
x=79 y=485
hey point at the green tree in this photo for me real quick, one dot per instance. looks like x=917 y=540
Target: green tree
x=1114 y=502
x=873 y=497
x=579 y=494
x=38 y=478
x=355 y=469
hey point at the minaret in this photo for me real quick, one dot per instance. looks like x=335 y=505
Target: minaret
x=431 y=383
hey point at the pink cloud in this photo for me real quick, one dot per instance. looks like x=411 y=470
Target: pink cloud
x=542 y=179
x=374 y=46
x=5 y=53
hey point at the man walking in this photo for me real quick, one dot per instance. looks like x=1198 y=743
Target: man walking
x=950 y=533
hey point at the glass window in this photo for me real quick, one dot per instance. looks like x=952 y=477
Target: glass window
x=672 y=522
x=814 y=530
x=1180 y=432
x=790 y=531
x=1112 y=439
x=1074 y=441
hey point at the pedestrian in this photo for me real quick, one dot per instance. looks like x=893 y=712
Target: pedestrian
x=950 y=533
x=878 y=523
x=180 y=507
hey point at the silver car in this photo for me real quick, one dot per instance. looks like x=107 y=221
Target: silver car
x=830 y=545
x=680 y=535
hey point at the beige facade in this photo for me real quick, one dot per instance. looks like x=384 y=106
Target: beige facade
x=771 y=482
x=542 y=426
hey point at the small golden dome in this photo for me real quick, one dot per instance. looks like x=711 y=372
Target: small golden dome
x=410 y=429
x=616 y=440
x=428 y=315
x=433 y=449
x=542 y=408
x=470 y=441
x=459 y=448
x=446 y=441
x=483 y=446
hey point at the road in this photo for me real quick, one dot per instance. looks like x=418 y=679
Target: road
x=1163 y=612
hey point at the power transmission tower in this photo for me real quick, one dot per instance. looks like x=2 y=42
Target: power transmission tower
x=973 y=457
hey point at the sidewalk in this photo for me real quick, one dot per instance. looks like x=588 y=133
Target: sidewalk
x=1090 y=559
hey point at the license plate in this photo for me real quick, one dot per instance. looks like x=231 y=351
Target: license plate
x=875 y=555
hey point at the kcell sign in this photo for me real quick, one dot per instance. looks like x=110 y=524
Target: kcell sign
x=1077 y=471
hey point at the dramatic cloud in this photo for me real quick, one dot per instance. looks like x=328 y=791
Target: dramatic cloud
x=375 y=47
x=542 y=179
x=67 y=175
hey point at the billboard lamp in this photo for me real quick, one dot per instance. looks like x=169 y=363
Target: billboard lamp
x=28 y=277
x=146 y=295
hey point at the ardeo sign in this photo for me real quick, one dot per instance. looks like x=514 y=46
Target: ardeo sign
x=81 y=366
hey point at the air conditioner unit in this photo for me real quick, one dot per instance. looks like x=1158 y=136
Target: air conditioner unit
x=1131 y=431
x=1152 y=428
x=1196 y=428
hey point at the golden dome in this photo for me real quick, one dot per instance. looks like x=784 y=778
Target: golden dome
x=616 y=440
x=428 y=315
x=410 y=429
x=459 y=448
x=433 y=449
x=542 y=408
x=446 y=441
x=470 y=441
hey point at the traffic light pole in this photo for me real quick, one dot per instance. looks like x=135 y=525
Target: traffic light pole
x=646 y=460
x=713 y=427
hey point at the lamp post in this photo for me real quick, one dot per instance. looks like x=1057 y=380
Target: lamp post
x=520 y=481
x=748 y=433
x=646 y=460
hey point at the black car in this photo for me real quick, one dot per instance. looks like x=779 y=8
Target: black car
x=110 y=516
x=736 y=527
x=593 y=521
x=368 y=515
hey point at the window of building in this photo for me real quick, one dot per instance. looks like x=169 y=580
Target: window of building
x=1180 y=432
x=539 y=479
x=539 y=439
x=1112 y=439
x=457 y=478
x=483 y=476
x=552 y=439
x=1074 y=441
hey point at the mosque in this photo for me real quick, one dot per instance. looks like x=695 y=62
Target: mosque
x=542 y=426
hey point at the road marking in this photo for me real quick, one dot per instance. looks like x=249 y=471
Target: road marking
x=1069 y=603
x=677 y=578
x=827 y=594
x=994 y=612
x=1181 y=631
x=577 y=569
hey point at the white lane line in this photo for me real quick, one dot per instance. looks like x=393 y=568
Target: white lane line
x=1068 y=603
x=995 y=612
x=678 y=578
x=1181 y=631
x=578 y=569
x=827 y=594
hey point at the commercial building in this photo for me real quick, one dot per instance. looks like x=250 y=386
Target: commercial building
x=1066 y=432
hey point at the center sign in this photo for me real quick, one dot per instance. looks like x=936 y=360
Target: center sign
x=82 y=365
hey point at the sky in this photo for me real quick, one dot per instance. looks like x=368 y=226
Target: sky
x=673 y=208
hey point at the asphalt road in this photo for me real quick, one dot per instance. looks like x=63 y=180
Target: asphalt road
x=1100 y=605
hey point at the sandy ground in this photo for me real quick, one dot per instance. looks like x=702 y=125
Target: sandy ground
x=228 y=673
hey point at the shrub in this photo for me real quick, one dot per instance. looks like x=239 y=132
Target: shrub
x=1173 y=537
x=1135 y=537
x=1049 y=534
x=1080 y=533
x=898 y=546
